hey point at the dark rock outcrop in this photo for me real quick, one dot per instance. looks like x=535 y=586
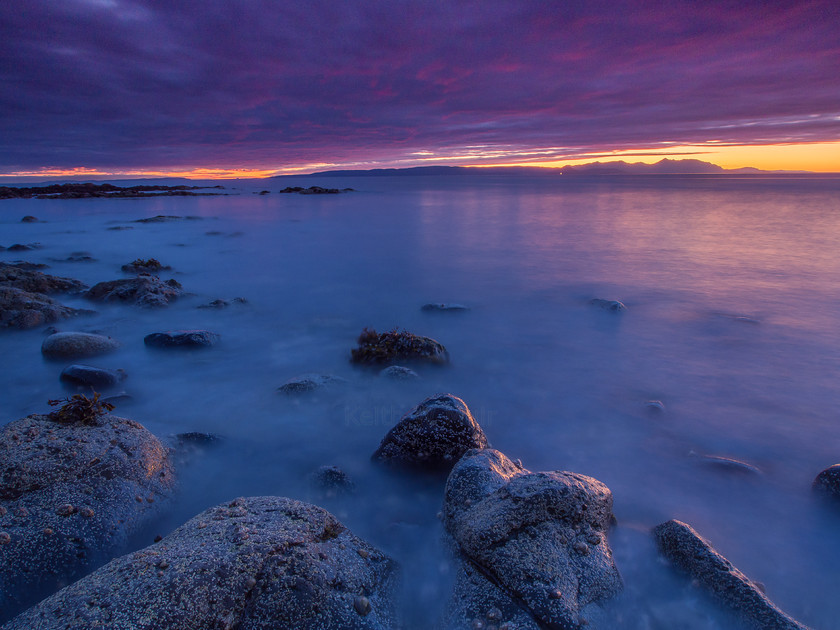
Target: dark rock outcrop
x=687 y=550
x=260 y=562
x=29 y=219
x=540 y=536
x=77 y=345
x=89 y=376
x=22 y=309
x=220 y=303
x=608 y=305
x=144 y=290
x=71 y=495
x=397 y=346
x=36 y=282
x=444 y=308
x=827 y=482
x=143 y=265
x=306 y=383
x=433 y=435
x=182 y=339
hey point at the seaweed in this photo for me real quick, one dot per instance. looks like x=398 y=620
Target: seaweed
x=79 y=409
x=378 y=348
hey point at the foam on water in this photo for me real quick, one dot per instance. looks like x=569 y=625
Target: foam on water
x=732 y=290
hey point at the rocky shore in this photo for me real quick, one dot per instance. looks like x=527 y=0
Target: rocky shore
x=88 y=190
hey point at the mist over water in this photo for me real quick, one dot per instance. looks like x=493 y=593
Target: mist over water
x=732 y=288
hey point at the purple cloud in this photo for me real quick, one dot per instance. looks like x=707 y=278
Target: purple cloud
x=172 y=83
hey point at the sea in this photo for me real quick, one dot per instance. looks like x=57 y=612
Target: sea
x=712 y=398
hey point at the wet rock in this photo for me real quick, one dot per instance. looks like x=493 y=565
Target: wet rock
x=399 y=373
x=29 y=219
x=161 y=218
x=444 y=308
x=81 y=482
x=147 y=266
x=89 y=376
x=727 y=464
x=33 y=281
x=690 y=552
x=655 y=406
x=79 y=257
x=220 y=303
x=144 y=290
x=828 y=482
x=393 y=346
x=28 y=265
x=608 y=305
x=331 y=481
x=540 y=536
x=77 y=345
x=22 y=309
x=182 y=339
x=260 y=562
x=306 y=383
x=24 y=247
x=433 y=435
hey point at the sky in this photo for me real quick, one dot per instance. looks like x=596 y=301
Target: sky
x=222 y=88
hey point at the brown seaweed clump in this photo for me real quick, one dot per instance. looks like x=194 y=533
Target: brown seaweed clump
x=396 y=345
x=79 y=409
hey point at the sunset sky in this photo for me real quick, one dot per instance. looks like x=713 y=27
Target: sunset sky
x=252 y=88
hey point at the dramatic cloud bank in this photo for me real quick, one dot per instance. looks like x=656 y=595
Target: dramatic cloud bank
x=262 y=84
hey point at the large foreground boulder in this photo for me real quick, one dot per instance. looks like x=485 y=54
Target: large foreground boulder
x=397 y=346
x=256 y=563
x=77 y=345
x=143 y=290
x=73 y=489
x=23 y=309
x=692 y=553
x=35 y=281
x=540 y=536
x=433 y=435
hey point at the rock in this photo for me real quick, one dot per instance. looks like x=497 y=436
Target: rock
x=71 y=496
x=608 y=305
x=27 y=265
x=161 y=218
x=728 y=464
x=144 y=290
x=828 y=482
x=22 y=309
x=21 y=247
x=331 y=481
x=688 y=551
x=79 y=257
x=444 y=308
x=36 y=282
x=147 y=266
x=182 y=339
x=89 y=376
x=220 y=303
x=260 y=562
x=389 y=347
x=77 y=345
x=655 y=406
x=539 y=536
x=306 y=383
x=399 y=373
x=432 y=435
x=29 y=219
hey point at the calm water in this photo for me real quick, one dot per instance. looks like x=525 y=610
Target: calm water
x=733 y=322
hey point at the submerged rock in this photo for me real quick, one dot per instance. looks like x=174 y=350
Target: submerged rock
x=22 y=309
x=220 y=303
x=72 y=494
x=29 y=219
x=89 y=376
x=182 y=339
x=728 y=464
x=432 y=435
x=608 y=305
x=540 y=536
x=144 y=290
x=260 y=562
x=828 y=482
x=331 y=481
x=444 y=308
x=399 y=373
x=687 y=550
x=77 y=345
x=141 y=265
x=306 y=383
x=33 y=281
x=389 y=347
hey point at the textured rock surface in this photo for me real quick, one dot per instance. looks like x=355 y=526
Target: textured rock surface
x=608 y=305
x=397 y=346
x=143 y=290
x=35 y=281
x=306 y=383
x=89 y=376
x=433 y=435
x=686 y=549
x=182 y=339
x=399 y=373
x=22 y=309
x=828 y=482
x=71 y=496
x=77 y=345
x=260 y=562
x=540 y=536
